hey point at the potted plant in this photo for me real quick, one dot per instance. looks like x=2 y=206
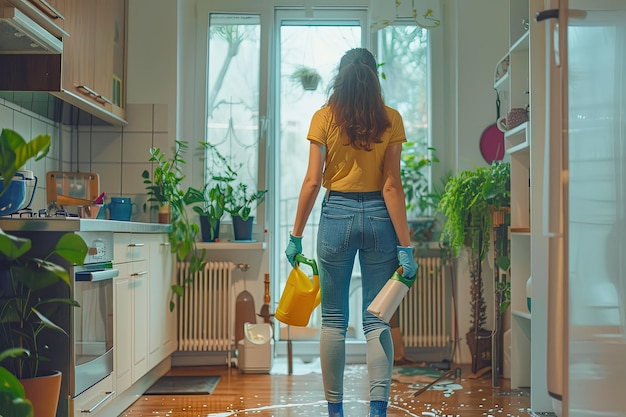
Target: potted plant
x=165 y=188
x=421 y=198
x=215 y=193
x=469 y=200
x=26 y=309
x=239 y=205
x=307 y=77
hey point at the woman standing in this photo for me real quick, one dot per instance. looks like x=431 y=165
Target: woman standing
x=355 y=146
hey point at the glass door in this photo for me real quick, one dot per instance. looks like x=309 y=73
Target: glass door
x=308 y=52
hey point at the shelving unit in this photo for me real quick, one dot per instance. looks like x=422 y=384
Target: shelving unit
x=520 y=83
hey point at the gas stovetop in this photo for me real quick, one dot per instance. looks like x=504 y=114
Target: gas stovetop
x=41 y=214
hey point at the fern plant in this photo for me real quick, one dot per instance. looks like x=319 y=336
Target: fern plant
x=468 y=202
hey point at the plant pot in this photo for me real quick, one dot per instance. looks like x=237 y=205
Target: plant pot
x=43 y=392
x=310 y=81
x=209 y=234
x=164 y=213
x=480 y=349
x=422 y=229
x=242 y=229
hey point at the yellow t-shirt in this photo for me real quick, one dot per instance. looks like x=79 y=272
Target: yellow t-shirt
x=347 y=169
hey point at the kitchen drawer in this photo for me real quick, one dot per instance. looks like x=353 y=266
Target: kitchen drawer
x=129 y=247
x=139 y=269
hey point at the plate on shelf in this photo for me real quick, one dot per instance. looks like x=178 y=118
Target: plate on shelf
x=492 y=144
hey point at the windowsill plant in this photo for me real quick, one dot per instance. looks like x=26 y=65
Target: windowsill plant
x=215 y=192
x=421 y=197
x=239 y=205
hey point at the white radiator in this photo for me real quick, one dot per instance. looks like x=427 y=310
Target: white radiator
x=423 y=311
x=204 y=312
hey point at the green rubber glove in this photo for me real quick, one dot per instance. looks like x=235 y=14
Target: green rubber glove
x=407 y=262
x=293 y=248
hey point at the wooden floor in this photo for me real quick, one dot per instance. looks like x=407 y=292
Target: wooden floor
x=263 y=395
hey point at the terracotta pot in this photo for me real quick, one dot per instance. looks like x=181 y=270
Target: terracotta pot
x=43 y=392
x=164 y=213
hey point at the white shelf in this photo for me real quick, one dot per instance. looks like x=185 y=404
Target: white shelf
x=522 y=43
x=517 y=139
x=230 y=245
x=522 y=314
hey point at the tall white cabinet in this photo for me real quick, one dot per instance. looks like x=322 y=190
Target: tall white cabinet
x=519 y=78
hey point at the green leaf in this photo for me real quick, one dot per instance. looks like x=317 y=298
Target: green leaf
x=12 y=246
x=45 y=321
x=72 y=248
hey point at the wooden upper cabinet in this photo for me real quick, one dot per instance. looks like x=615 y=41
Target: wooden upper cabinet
x=53 y=9
x=50 y=14
x=94 y=55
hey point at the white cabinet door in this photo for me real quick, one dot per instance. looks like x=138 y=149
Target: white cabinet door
x=162 y=321
x=122 y=342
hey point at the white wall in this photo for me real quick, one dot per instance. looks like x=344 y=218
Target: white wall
x=476 y=37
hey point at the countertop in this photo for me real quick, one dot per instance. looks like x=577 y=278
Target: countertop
x=75 y=224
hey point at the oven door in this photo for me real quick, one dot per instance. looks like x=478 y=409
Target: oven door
x=93 y=324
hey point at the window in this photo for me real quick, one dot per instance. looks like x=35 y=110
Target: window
x=232 y=103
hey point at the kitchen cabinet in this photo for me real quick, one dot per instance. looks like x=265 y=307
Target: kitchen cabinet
x=161 y=321
x=145 y=329
x=50 y=14
x=90 y=73
x=94 y=54
x=520 y=82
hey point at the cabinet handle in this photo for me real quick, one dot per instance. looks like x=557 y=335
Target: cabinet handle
x=86 y=90
x=138 y=274
x=108 y=395
x=103 y=99
x=165 y=244
x=136 y=245
x=49 y=10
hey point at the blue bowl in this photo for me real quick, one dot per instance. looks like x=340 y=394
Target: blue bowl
x=14 y=197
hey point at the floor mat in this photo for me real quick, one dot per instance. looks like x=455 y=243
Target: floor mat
x=415 y=374
x=184 y=385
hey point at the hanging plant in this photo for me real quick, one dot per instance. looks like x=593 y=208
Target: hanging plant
x=308 y=77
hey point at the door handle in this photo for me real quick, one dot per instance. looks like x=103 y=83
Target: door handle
x=547 y=14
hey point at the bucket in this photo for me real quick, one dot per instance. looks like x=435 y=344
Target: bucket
x=300 y=296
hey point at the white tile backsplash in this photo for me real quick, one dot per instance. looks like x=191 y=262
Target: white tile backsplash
x=117 y=154
x=132 y=182
x=139 y=117
x=160 y=118
x=110 y=177
x=136 y=147
x=106 y=147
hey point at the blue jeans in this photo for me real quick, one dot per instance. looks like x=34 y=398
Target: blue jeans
x=351 y=224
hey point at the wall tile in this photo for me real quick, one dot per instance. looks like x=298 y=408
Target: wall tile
x=110 y=177
x=106 y=147
x=161 y=140
x=139 y=117
x=22 y=125
x=136 y=147
x=6 y=116
x=132 y=181
x=160 y=118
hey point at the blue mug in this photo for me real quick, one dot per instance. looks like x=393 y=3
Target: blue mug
x=120 y=208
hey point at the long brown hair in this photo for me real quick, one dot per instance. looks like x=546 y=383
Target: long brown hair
x=357 y=102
